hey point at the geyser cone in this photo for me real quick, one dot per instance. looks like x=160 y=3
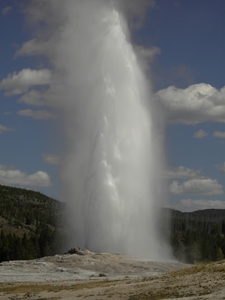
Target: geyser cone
x=110 y=170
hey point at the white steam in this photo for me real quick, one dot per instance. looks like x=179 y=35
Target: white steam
x=110 y=171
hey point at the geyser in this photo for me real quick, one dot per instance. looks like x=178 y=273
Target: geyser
x=110 y=171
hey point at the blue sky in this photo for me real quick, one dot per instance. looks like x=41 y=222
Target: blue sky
x=187 y=77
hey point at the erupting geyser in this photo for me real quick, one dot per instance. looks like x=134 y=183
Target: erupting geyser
x=110 y=171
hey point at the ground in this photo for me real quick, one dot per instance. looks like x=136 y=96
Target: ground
x=89 y=275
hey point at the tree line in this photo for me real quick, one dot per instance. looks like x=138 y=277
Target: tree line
x=32 y=226
x=43 y=242
x=198 y=236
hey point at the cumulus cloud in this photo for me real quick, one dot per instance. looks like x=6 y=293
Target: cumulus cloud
x=181 y=172
x=34 y=97
x=4 y=129
x=17 y=83
x=219 y=134
x=196 y=104
x=49 y=97
x=36 y=114
x=200 y=134
x=11 y=176
x=203 y=186
x=6 y=10
x=189 y=205
x=50 y=159
x=33 y=47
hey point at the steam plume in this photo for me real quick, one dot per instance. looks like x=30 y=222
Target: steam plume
x=111 y=167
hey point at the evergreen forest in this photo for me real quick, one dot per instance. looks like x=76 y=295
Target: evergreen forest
x=32 y=226
x=197 y=236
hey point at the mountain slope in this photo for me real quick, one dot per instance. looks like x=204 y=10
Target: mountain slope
x=31 y=224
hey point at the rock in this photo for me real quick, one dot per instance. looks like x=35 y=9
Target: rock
x=77 y=251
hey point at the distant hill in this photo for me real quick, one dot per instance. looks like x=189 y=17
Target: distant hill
x=31 y=224
x=23 y=210
x=196 y=236
x=208 y=215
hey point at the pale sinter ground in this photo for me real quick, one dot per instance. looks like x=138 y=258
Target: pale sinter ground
x=89 y=275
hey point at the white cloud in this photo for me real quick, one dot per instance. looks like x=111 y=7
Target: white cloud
x=6 y=10
x=34 y=97
x=189 y=205
x=196 y=104
x=51 y=159
x=204 y=186
x=36 y=114
x=200 y=134
x=181 y=172
x=33 y=47
x=4 y=129
x=17 y=83
x=10 y=176
x=219 y=134
x=49 y=97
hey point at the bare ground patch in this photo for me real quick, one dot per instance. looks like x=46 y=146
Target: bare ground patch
x=124 y=278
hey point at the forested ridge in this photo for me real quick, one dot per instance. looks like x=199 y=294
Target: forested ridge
x=32 y=226
x=197 y=236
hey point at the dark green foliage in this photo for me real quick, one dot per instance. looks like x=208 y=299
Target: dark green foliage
x=28 y=207
x=197 y=236
x=31 y=224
